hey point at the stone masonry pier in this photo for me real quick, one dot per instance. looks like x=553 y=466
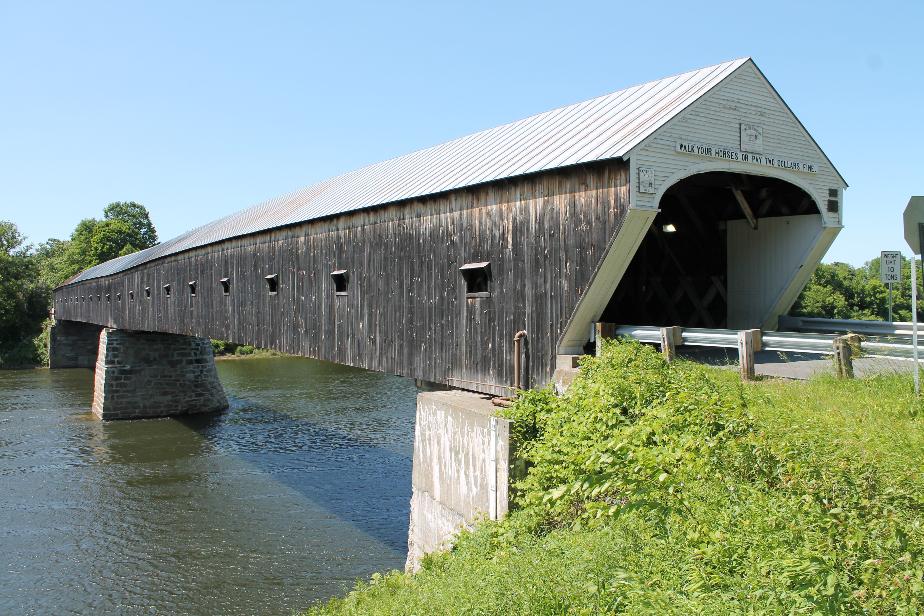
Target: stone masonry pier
x=143 y=374
x=72 y=344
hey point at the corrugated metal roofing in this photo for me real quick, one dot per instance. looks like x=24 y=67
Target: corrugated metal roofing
x=601 y=128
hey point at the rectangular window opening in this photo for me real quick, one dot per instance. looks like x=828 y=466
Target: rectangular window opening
x=118 y=297
x=147 y=292
x=167 y=290
x=341 y=280
x=477 y=278
x=272 y=283
x=192 y=288
x=225 y=286
x=107 y=298
x=131 y=296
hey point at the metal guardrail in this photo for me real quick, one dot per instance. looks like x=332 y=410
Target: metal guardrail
x=834 y=326
x=781 y=341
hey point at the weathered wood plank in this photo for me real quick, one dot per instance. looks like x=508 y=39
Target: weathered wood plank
x=405 y=311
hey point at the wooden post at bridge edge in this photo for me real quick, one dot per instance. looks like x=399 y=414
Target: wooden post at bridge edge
x=845 y=347
x=671 y=338
x=749 y=342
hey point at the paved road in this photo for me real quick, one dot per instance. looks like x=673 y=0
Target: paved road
x=795 y=365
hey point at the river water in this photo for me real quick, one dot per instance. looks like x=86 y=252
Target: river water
x=299 y=489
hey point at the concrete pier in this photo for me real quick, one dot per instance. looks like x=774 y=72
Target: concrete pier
x=72 y=344
x=144 y=374
x=462 y=457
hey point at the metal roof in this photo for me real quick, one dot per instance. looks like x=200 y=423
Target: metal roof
x=601 y=128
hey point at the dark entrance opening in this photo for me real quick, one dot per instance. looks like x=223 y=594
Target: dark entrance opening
x=679 y=275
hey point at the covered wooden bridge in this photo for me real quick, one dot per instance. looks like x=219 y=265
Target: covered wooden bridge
x=697 y=200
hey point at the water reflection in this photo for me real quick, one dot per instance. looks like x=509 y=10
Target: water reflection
x=297 y=490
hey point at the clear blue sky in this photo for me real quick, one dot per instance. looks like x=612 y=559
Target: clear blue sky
x=199 y=109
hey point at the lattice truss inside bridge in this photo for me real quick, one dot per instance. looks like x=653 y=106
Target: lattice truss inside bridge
x=679 y=275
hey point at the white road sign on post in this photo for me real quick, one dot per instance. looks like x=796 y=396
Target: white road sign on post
x=890 y=271
x=890 y=267
x=914 y=232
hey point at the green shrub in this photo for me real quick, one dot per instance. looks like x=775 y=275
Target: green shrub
x=674 y=488
x=40 y=343
x=21 y=355
x=219 y=347
x=631 y=422
x=244 y=349
x=28 y=352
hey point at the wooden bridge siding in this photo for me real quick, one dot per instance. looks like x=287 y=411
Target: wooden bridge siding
x=406 y=312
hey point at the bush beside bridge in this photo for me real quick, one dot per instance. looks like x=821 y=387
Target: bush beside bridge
x=656 y=488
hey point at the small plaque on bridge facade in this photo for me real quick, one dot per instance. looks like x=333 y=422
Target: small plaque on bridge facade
x=752 y=138
x=646 y=180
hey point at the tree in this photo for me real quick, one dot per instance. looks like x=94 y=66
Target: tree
x=78 y=256
x=23 y=300
x=126 y=228
x=135 y=216
x=50 y=257
x=111 y=238
x=28 y=277
x=841 y=291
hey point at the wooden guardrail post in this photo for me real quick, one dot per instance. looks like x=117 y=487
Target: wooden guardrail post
x=748 y=343
x=671 y=337
x=844 y=350
x=603 y=330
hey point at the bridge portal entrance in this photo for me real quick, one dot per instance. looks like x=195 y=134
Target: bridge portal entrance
x=722 y=252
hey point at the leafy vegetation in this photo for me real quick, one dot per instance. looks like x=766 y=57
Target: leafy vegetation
x=29 y=275
x=244 y=349
x=23 y=301
x=841 y=291
x=675 y=488
x=126 y=227
x=224 y=348
x=220 y=347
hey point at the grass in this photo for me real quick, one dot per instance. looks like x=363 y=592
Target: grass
x=676 y=489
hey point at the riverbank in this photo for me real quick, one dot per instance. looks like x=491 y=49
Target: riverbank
x=257 y=353
x=656 y=488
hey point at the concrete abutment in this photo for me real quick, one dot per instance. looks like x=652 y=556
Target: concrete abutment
x=462 y=461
